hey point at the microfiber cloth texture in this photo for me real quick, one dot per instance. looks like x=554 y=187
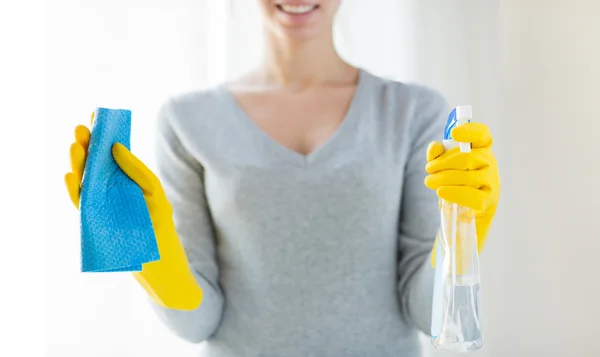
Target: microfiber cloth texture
x=116 y=230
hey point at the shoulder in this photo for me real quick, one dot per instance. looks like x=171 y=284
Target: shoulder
x=193 y=111
x=414 y=104
x=429 y=106
x=410 y=94
x=426 y=97
x=413 y=111
x=186 y=106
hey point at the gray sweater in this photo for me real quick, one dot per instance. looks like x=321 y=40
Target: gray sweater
x=325 y=254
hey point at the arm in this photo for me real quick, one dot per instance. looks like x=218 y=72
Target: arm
x=419 y=219
x=183 y=180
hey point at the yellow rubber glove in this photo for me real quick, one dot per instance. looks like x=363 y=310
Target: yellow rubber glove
x=468 y=179
x=169 y=281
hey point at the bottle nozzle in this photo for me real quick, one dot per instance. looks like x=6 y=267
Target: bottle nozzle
x=464 y=112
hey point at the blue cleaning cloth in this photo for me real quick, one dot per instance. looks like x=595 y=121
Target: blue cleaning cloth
x=116 y=230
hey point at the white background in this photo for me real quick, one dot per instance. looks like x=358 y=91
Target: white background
x=530 y=68
x=21 y=178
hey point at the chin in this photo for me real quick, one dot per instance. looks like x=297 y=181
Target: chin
x=299 y=34
x=300 y=19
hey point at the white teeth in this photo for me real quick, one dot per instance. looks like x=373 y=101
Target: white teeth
x=297 y=9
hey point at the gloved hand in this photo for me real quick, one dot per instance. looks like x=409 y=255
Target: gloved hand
x=169 y=281
x=467 y=179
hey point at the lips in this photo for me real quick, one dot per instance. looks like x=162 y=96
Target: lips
x=297 y=9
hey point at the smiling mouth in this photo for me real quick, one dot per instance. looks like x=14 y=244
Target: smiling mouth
x=297 y=9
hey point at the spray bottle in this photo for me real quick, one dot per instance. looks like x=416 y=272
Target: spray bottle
x=456 y=319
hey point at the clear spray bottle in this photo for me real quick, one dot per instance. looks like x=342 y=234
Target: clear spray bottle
x=456 y=312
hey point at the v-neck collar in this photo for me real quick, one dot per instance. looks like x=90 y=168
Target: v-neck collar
x=294 y=157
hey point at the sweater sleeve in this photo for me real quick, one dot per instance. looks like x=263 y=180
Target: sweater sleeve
x=183 y=180
x=419 y=218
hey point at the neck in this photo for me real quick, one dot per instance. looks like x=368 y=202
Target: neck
x=301 y=64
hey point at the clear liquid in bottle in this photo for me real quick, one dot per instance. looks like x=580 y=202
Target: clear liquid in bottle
x=456 y=317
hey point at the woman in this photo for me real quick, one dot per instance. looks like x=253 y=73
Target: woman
x=298 y=195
